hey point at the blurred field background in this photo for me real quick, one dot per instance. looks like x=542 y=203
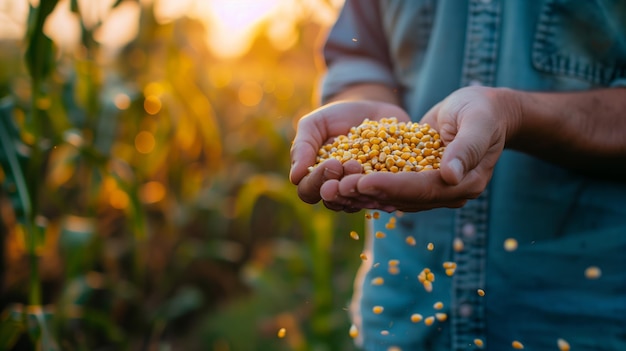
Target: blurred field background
x=145 y=203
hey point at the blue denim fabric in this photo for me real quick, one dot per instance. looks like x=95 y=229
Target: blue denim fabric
x=563 y=222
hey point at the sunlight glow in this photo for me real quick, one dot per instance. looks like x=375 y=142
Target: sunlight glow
x=231 y=25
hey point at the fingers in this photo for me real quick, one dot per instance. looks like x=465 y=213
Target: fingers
x=309 y=187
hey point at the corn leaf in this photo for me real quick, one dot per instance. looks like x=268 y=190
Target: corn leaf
x=39 y=56
x=11 y=326
x=14 y=181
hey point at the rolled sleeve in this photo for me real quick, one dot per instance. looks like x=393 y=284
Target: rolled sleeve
x=356 y=50
x=353 y=70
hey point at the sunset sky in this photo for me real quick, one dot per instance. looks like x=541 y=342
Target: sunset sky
x=231 y=24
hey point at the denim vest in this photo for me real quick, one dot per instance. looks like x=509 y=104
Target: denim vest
x=567 y=227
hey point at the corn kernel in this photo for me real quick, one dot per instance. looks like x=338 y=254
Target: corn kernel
x=479 y=343
x=438 y=305
x=384 y=332
x=416 y=318
x=380 y=235
x=353 y=332
x=442 y=317
x=430 y=246
x=363 y=256
x=429 y=320
x=282 y=332
x=510 y=244
x=392 y=144
x=517 y=345
x=563 y=345
x=376 y=215
x=354 y=235
x=378 y=281
x=458 y=245
x=410 y=240
x=593 y=272
x=378 y=309
x=450 y=271
x=480 y=292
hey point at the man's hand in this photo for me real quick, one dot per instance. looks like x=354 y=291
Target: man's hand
x=321 y=127
x=473 y=124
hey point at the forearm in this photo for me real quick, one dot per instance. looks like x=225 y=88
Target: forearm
x=584 y=131
x=367 y=91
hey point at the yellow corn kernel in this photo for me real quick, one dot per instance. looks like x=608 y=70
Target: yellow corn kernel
x=390 y=225
x=282 y=332
x=363 y=256
x=378 y=281
x=517 y=345
x=458 y=245
x=378 y=309
x=438 y=305
x=449 y=264
x=410 y=240
x=450 y=271
x=510 y=244
x=376 y=215
x=354 y=235
x=380 y=235
x=428 y=286
x=416 y=318
x=593 y=272
x=480 y=292
x=442 y=317
x=430 y=246
x=562 y=344
x=479 y=343
x=353 y=332
x=429 y=320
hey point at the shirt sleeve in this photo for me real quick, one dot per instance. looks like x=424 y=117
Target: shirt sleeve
x=356 y=49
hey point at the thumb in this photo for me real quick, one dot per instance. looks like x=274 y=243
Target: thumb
x=466 y=150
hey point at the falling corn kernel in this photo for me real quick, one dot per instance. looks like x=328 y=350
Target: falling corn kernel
x=410 y=240
x=517 y=345
x=353 y=332
x=354 y=235
x=378 y=281
x=510 y=244
x=378 y=309
x=450 y=271
x=438 y=305
x=390 y=225
x=428 y=286
x=441 y=317
x=430 y=246
x=394 y=270
x=416 y=318
x=429 y=320
x=384 y=332
x=457 y=245
x=562 y=344
x=593 y=272
x=363 y=257
x=393 y=263
x=479 y=343
x=368 y=215
x=376 y=215
x=380 y=235
x=480 y=292
x=282 y=332
x=449 y=264
x=394 y=348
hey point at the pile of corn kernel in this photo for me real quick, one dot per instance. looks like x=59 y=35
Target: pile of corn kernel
x=387 y=146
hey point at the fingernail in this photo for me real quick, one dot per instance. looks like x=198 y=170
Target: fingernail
x=457 y=169
x=331 y=174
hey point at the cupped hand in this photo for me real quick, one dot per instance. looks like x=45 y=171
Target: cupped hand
x=473 y=124
x=320 y=127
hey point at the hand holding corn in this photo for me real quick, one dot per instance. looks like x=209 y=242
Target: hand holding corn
x=471 y=123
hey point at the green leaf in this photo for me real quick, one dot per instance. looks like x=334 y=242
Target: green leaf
x=39 y=56
x=11 y=326
x=15 y=181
